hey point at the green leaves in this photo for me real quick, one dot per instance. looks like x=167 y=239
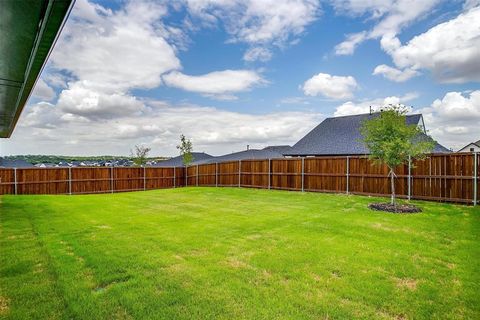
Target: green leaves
x=391 y=140
x=185 y=148
x=140 y=154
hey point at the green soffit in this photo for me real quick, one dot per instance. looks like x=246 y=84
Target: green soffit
x=28 y=32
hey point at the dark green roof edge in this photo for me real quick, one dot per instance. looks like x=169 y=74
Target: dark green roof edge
x=54 y=16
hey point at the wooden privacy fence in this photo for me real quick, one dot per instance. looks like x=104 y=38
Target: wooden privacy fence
x=440 y=177
x=83 y=180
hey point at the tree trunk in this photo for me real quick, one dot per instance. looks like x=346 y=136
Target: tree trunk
x=392 y=184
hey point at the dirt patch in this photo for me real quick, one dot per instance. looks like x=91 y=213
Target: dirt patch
x=4 y=305
x=235 y=263
x=410 y=284
x=105 y=285
x=103 y=226
x=399 y=208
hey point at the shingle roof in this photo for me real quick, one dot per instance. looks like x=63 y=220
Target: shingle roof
x=280 y=149
x=178 y=161
x=244 y=155
x=341 y=136
x=18 y=163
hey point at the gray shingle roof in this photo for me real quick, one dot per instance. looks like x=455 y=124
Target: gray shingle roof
x=178 y=161
x=18 y=163
x=244 y=155
x=280 y=149
x=341 y=136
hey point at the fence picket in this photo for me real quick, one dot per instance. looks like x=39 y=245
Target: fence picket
x=442 y=177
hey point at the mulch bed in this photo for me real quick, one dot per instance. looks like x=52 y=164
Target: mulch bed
x=400 y=208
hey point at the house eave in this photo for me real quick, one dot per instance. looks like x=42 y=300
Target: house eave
x=30 y=31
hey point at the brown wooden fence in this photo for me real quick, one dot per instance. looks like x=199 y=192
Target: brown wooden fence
x=440 y=177
x=85 y=180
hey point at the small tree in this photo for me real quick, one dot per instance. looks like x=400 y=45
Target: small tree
x=185 y=148
x=392 y=141
x=140 y=154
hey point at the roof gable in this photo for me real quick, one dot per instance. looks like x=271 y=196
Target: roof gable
x=341 y=136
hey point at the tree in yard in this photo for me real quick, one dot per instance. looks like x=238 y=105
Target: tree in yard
x=392 y=141
x=185 y=148
x=139 y=155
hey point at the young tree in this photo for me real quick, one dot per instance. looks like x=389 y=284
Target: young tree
x=185 y=148
x=140 y=154
x=392 y=141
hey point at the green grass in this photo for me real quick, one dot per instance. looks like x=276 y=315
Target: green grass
x=197 y=253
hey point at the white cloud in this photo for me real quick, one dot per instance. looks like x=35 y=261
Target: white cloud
x=348 y=46
x=395 y=74
x=359 y=107
x=455 y=119
x=449 y=50
x=211 y=130
x=335 y=87
x=43 y=91
x=266 y=22
x=94 y=104
x=116 y=50
x=391 y=17
x=218 y=83
x=257 y=54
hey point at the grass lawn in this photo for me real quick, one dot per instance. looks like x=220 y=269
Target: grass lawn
x=227 y=253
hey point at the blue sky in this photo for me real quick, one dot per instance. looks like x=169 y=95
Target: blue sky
x=230 y=73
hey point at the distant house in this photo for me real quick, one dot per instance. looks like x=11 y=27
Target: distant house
x=471 y=147
x=14 y=163
x=283 y=149
x=271 y=152
x=341 y=136
x=178 y=161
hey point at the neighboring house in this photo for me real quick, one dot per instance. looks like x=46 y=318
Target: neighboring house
x=45 y=165
x=471 y=147
x=341 y=136
x=280 y=149
x=178 y=161
x=17 y=163
x=251 y=154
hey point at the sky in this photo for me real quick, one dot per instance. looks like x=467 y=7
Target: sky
x=232 y=73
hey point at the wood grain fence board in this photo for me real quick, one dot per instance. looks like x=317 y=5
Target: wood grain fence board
x=286 y=174
x=206 y=174
x=90 y=180
x=439 y=177
x=127 y=179
x=228 y=173
x=7 y=181
x=48 y=181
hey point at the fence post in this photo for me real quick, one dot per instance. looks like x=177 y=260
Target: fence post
x=197 y=175
x=185 y=169
x=15 y=180
x=174 y=177
x=303 y=173
x=475 y=179
x=239 y=172
x=144 y=179
x=348 y=174
x=269 y=173
x=70 y=180
x=216 y=174
x=111 y=179
x=409 y=181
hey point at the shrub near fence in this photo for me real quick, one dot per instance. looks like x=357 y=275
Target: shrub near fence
x=440 y=177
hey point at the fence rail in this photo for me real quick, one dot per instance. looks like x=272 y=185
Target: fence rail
x=440 y=177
